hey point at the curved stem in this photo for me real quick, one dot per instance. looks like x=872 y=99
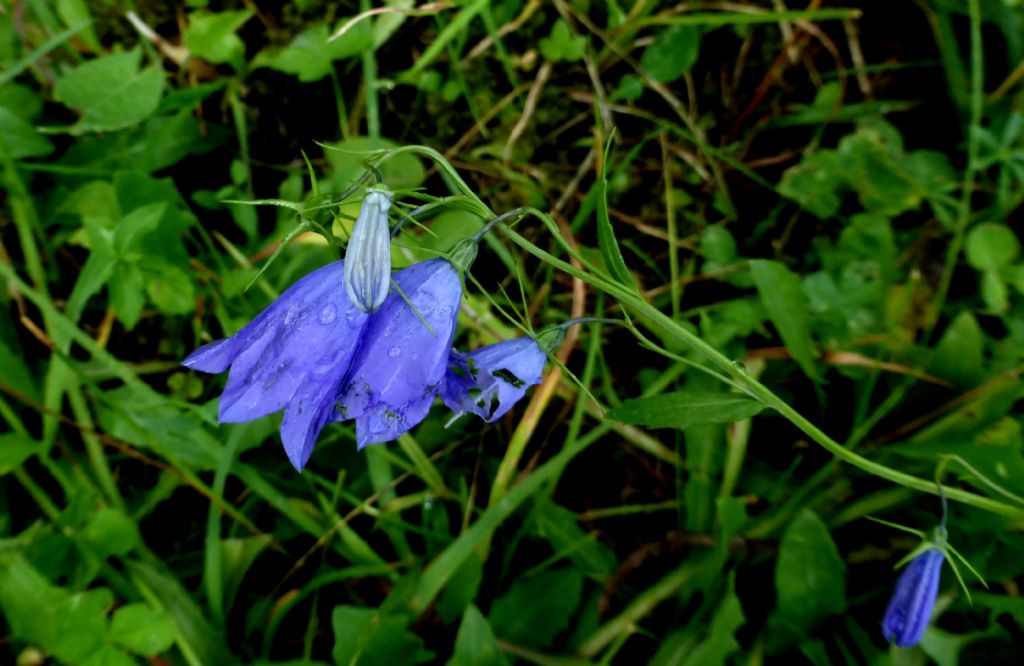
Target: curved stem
x=657 y=319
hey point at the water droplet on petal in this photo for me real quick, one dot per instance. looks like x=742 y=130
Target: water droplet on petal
x=394 y=352
x=328 y=314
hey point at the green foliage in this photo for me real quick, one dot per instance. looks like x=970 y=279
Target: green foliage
x=809 y=577
x=212 y=36
x=561 y=44
x=310 y=56
x=672 y=53
x=805 y=268
x=682 y=409
x=111 y=92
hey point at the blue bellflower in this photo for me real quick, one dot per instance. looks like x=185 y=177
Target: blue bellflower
x=318 y=357
x=401 y=363
x=910 y=609
x=368 y=255
x=490 y=380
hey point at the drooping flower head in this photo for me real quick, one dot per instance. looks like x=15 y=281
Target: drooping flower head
x=368 y=255
x=340 y=344
x=490 y=380
x=910 y=609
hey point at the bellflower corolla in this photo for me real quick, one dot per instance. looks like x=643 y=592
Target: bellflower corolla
x=910 y=609
x=502 y=371
x=315 y=355
x=368 y=255
x=401 y=363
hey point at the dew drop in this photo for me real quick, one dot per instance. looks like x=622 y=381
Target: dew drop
x=394 y=352
x=328 y=314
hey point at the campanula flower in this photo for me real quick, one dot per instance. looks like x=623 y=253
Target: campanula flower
x=401 y=363
x=910 y=609
x=490 y=380
x=315 y=355
x=294 y=356
x=368 y=255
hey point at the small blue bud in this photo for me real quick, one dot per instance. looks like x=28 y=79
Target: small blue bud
x=910 y=609
x=368 y=255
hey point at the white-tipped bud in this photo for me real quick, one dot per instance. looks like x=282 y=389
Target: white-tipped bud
x=368 y=255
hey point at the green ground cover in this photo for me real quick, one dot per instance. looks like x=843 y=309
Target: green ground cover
x=794 y=233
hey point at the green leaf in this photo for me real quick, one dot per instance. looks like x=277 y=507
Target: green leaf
x=682 y=409
x=212 y=36
x=784 y=299
x=947 y=648
x=74 y=13
x=237 y=555
x=70 y=626
x=127 y=286
x=815 y=183
x=960 y=355
x=610 y=250
x=721 y=643
x=810 y=580
x=672 y=53
x=94 y=274
x=717 y=244
x=154 y=423
x=110 y=532
x=134 y=225
x=535 y=610
x=311 y=57
x=170 y=289
x=20 y=100
x=108 y=655
x=202 y=639
x=561 y=44
x=21 y=138
x=404 y=171
x=562 y=530
x=475 y=644
x=367 y=637
x=461 y=589
x=991 y=246
x=142 y=630
x=14 y=450
x=111 y=92
x=994 y=292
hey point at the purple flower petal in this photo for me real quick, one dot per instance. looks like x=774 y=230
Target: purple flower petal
x=502 y=372
x=293 y=355
x=910 y=608
x=401 y=363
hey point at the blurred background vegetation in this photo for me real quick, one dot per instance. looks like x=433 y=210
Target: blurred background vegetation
x=873 y=152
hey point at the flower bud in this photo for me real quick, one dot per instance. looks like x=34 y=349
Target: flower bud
x=368 y=255
x=910 y=609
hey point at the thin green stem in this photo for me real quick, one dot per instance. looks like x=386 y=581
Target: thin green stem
x=970 y=172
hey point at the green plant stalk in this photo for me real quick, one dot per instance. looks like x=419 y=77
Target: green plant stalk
x=339 y=103
x=31 y=487
x=635 y=303
x=970 y=173
x=370 y=99
x=675 y=285
x=26 y=222
x=213 y=573
x=644 y=603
